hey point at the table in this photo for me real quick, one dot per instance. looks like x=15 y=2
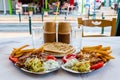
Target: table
x=110 y=71
x=26 y=6
x=70 y=7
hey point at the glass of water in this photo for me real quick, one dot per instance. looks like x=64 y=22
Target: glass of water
x=76 y=36
x=37 y=35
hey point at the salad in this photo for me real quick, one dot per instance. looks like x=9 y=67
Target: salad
x=74 y=64
x=34 y=65
x=33 y=60
x=88 y=59
x=38 y=65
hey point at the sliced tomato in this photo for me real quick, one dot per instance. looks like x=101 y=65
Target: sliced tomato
x=64 y=60
x=13 y=59
x=70 y=55
x=97 y=65
x=50 y=57
x=67 y=57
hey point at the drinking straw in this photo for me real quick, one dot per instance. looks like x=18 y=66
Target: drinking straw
x=57 y=10
x=82 y=6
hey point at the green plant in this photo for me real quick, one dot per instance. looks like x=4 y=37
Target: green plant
x=51 y=1
x=35 y=0
x=45 y=10
x=30 y=9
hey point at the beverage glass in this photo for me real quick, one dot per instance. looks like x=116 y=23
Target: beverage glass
x=37 y=35
x=64 y=30
x=49 y=32
x=76 y=36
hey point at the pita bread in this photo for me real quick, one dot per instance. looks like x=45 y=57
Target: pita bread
x=58 y=48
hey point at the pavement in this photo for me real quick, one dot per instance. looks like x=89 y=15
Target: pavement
x=108 y=13
x=10 y=26
x=13 y=34
x=12 y=30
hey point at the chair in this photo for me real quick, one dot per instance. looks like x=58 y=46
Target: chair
x=64 y=8
x=50 y=8
x=98 y=23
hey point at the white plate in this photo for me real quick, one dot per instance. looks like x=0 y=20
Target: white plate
x=62 y=55
x=55 y=55
x=72 y=71
x=44 y=72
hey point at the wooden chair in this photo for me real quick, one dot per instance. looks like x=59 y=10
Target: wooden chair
x=98 y=23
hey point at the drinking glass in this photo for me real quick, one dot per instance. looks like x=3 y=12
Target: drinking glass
x=49 y=32
x=37 y=35
x=76 y=36
x=64 y=30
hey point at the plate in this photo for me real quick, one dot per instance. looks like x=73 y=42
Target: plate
x=56 y=55
x=59 y=54
x=72 y=71
x=44 y=72
x=58 y=49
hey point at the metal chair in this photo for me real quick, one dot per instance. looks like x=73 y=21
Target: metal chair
x=98 y=23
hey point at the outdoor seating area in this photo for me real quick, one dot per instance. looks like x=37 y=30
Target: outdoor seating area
x=64 y=7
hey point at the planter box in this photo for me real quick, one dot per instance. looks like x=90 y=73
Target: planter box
x=30 y=13
x=45 y=13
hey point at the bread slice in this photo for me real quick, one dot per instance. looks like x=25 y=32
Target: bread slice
x=58 y=48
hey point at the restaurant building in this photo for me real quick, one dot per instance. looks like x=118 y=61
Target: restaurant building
x=9 y=6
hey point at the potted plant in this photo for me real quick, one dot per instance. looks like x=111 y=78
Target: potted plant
x=45 y=12
x=30 y=11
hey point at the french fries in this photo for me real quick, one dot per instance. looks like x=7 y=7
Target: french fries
x=105 y=48
x=100 y=51
x=18 y=52
x=15 y=50
x=93 y=47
